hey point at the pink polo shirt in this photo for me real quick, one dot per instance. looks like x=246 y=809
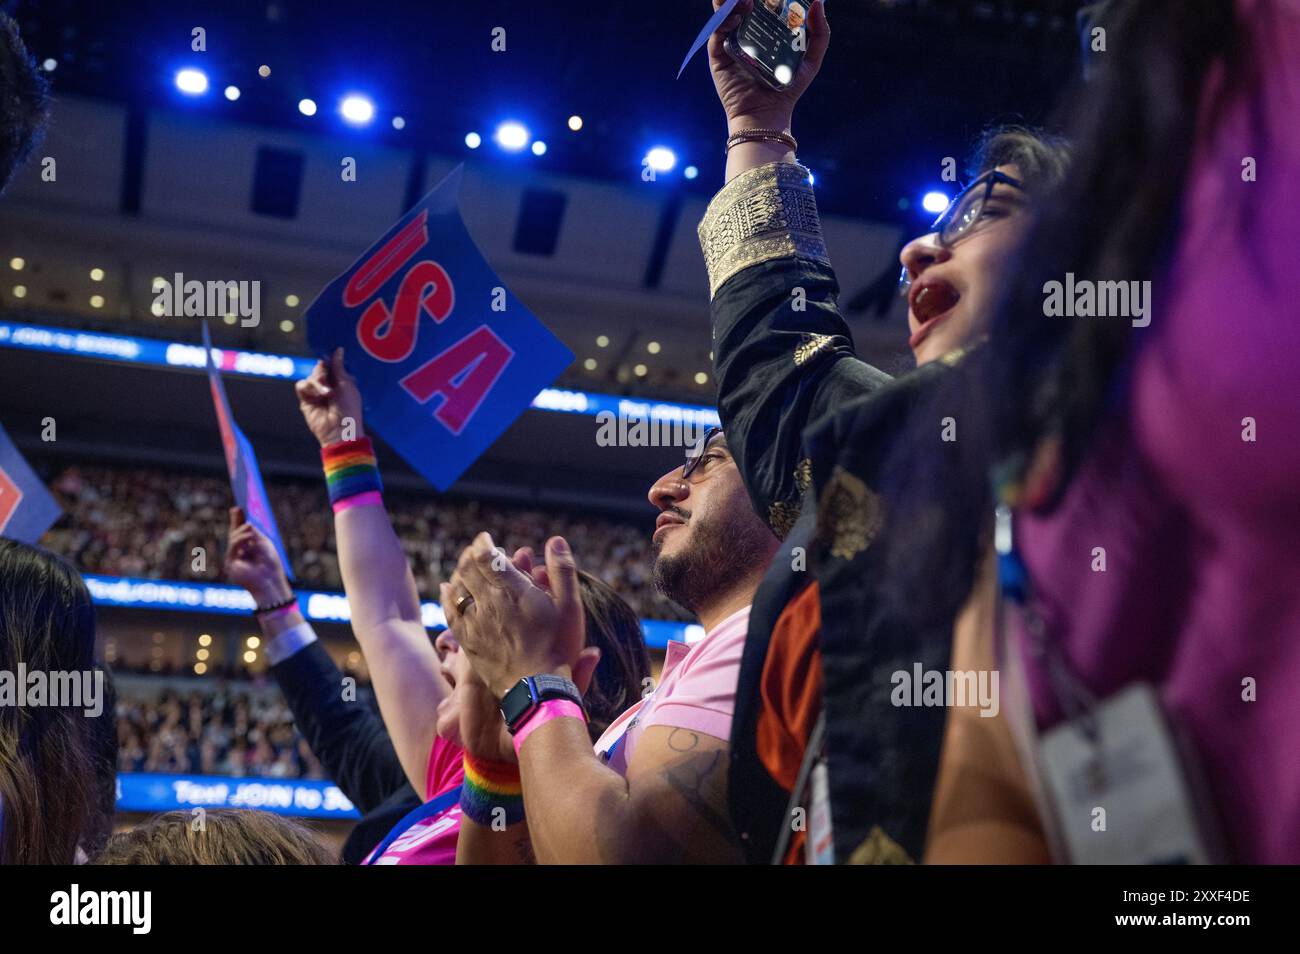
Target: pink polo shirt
x=696 y=691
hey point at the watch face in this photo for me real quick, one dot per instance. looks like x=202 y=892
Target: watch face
x=516 y=703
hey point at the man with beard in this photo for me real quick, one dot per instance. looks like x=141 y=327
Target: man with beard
x=654 y=788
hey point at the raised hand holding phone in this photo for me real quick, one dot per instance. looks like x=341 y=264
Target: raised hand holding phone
x=751 y=96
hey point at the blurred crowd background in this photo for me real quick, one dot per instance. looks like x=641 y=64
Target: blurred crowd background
x=143 y=523
x=209 y=727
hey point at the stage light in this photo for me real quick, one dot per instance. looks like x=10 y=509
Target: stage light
x=253 y=642
x=158 y=309
x=249 y=657
x=590 y=364
x=690 y=172
x=291 y=301
x=357 y=109
x=202 y=654
x=286 y=326
x=192 y=82
x=512 y=136
x=539 y=148
x=701 y=378
x=473 y=140
x=640 y=370
x=200 y=668
x=653 y=347
x=264 y=71
x=307 y=107
x=602 y=341
x=232 y=93
x=399 y=122
x=96 y=301
x=934 y=202
x=205 y=640
x=17 y=263
x=50 y=65
x=20 y=291
x=96 y=274
x=575 y=123
x=661 y=159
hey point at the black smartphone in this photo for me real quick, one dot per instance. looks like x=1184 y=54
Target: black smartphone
x=772 y=40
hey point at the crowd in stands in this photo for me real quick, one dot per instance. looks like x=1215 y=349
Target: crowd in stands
x=147 y=523
x=220 y=729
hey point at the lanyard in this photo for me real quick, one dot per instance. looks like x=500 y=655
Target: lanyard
x=434 y=806
x=1075 y=700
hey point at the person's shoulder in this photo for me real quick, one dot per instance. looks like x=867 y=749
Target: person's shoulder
x=724 y=642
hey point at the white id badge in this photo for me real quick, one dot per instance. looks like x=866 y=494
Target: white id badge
x=1125 y=799
x=820 y=847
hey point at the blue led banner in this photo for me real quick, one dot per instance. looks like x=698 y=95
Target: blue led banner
x=175 y=354
x=319 y=607
x=304 y=798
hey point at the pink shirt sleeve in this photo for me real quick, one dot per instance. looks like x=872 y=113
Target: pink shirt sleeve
x=703 y=696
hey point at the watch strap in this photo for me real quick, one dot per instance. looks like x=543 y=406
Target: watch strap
x=522 y=701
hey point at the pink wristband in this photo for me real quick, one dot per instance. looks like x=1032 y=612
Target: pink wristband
x=548 y=710
x=369 y=498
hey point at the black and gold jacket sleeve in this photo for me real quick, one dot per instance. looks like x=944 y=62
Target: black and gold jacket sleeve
x=783 y=354
x=783 y=357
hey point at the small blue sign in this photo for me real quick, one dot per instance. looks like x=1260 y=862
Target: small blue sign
x=445 y=357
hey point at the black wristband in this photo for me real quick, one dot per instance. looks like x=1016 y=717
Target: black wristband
x=276 y=606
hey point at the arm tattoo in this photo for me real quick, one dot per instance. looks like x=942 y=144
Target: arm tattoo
x=682 y=740
x=690 y=778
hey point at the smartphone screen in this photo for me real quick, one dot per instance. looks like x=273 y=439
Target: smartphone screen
x=771 y=38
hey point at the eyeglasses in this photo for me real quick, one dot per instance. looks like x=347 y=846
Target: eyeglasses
x=695 y=453
x=963 y=214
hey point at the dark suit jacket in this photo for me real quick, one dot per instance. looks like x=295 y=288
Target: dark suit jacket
x=352 y=744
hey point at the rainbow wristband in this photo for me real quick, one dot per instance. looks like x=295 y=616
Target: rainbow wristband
x=351 y=474
x=548 y=710
x=492 y=794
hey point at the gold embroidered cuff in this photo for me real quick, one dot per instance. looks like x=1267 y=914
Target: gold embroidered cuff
x=763 y=214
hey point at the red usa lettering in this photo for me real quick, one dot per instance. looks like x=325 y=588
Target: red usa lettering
x=463 y=375
x=391 y=336
x=388 y=261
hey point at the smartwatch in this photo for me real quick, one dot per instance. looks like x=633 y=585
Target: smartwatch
x=519 y=704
